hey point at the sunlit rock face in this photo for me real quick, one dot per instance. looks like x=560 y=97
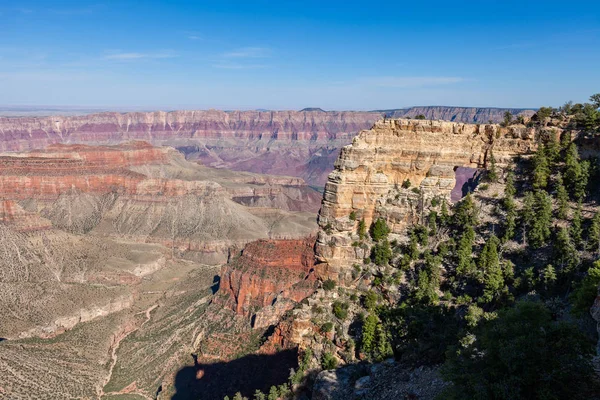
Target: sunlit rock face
x=369 y=174
x=268 y=278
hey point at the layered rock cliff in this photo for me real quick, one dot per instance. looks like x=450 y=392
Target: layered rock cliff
x=482 y=115
x=268 y=278
x=369 y=175
x=149 y=194
x=298 y=143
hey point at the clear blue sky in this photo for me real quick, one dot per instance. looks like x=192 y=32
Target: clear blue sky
x=295 y=54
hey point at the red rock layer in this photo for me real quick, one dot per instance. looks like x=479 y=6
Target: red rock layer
x=266 y=271
x=90 y=169
x=302 y=144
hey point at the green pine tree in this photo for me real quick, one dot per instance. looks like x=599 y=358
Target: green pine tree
x=541 y=169
x=552 y=150
x=536 y=217
x=564 y=251
x=576 y=230
x=444 y=214
x=562 y=198
x=491 y=274
x=509 y=187
x=465 y=265
x=594 y=234
x=492 y=173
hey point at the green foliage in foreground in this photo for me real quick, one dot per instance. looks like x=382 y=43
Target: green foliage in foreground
x=523 y=354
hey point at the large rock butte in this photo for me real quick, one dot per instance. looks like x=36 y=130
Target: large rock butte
x=369 y=174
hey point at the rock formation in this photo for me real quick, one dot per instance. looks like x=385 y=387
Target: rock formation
x=298 y=143
x=146 y=193
x=369 y=173
x=268 y=278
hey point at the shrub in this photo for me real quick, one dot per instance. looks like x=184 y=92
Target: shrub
x=340 y=310
x=329 y=284
x=352 y=216
x=327 y=327
x=328 y=361
x=406 y=184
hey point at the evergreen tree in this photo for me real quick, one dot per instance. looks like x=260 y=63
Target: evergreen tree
x=428 y=280
x=522 y=354
x=509 y=188
x=565 y=140
x=510 y=224
x=548 y=276
x=565 y=252
x=594 y=234
x=508 y=117
x=552 y=150
x=465 y=266
x=576 y=173
x=413 y=247
x=273 y=393
x=576 y=230
x=381 y=253
x=492 y=276
x=562 y=198
x=432 y=222
x=510 y=221
x=444 y=214
x=582 y=182
x=595 y=99
x=379 y=230
x=537 y=218
x=465 y=213
x=492 y=174
x=541 y=169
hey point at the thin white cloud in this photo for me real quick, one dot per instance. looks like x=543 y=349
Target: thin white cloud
x=138 y=56
x=411 y=81
x=194 y=37
x=243 y=58
x=248 y=52
x=227 y=65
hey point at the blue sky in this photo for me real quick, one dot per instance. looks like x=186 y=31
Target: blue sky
x=295 y=54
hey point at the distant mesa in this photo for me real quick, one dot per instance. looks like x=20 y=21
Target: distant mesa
x=312 y=109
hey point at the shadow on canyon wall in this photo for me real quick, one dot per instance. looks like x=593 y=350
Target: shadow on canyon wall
x=214 y=381
x=467 y=180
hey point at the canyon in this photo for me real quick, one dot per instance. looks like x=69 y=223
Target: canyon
x=303 y=144
x=182 y=275
x=99 y=241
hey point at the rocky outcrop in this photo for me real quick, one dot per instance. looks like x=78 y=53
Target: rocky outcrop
x=369 y=173
x=268 y=279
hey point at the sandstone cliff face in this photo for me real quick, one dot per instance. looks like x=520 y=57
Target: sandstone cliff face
x=369 y=173
x=268 y=278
